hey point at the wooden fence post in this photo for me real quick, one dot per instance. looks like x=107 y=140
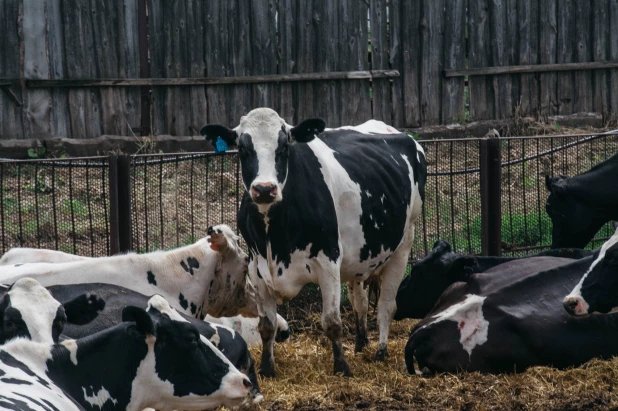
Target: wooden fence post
x=120 y=233
x=491 y=212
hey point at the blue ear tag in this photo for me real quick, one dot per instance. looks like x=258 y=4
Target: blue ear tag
x=220 y=145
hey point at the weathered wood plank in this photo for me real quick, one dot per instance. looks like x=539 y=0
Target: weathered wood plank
x=583 y=53
x=396 y=61
x=305 y=36
x=547 y=55
x=60 y=123
x=354 y=95
x=481 y=91
x=239 y=43
x=326 y=48
x=527 y=32
x=287 y=57
x=534 y=68
x=600 y=38
x=216 y=53
x=432 y=40
x=11 y=125
x=380 y=89
x=453 y=103
x=500 y=56
x=613 y=55
x=565 y=46
x=263 y=43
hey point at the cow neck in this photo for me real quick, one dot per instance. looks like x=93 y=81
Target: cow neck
x=107 y=361
x=587 y=186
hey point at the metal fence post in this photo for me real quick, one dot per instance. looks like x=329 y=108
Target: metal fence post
x=491 y=212
x=125 y=234
x=114 y=236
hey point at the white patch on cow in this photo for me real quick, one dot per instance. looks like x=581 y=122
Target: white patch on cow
x=215 y=339
x=468 y=315
x=394 y=159
x=163 y=306
x=382 y=198
x=368 y=194
x=71 y=345
x=24 y=255
x=100 y=398
x=577 y=291
x=370 y=127
x=37 y=308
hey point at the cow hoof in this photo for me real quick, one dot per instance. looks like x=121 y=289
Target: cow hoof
x=267 y=372
x=343 y=368
x=361 y=342
x=382 y=353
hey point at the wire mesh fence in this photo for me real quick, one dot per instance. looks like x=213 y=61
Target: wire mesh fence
x=64 y=204
x=56 y=204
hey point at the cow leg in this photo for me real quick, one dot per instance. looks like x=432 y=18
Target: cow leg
x=331 y=317
x=268 y=329
x=360 y=302
x=392 y=274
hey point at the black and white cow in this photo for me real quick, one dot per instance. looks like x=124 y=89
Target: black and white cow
x=206 y=277
x=442 y=267
x=579 y=206
x=325 y=206
x=597 y=290
x=115 y=298
x=150 y=360
x=510 y=320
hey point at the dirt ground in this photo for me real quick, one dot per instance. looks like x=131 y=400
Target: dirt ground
x=305 y=382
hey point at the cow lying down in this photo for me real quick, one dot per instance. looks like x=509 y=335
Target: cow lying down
x=114 y=299
x=510 y=319
x=246 y=327
x=152 y=359
x=442 y=267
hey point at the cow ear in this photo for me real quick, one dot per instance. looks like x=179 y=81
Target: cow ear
x=212 y=131
x=83 y=309
x=556 y=184
x=465 y=266
x=218 y=241
x=142 y=319
x=306 y=130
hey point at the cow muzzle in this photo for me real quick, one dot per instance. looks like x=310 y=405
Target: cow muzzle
x=264 y=193
x=575 y=305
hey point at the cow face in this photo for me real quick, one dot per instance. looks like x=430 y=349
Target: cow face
x=202 y=376
x=28 y=310
x=598 y=289
x=573 y=223
x=226 y=293
x=430 y=277
x=263 y=139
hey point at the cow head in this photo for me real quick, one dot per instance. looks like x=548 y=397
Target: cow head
x=573 y=221
x=263 y=139
x=28 y=310
x=430 y=277
x=598 y=289
x=202 y=377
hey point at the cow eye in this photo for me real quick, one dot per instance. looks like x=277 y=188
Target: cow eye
x=191 y=340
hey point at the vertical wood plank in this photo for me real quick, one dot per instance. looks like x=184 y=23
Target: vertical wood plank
x=287 y=55
x=481 y=90
x=239 y=49
x=216 y=55
x=547 y=55
x=130 y=59
x=499 y=34
x=583 y=53
x=600 y=99
x=353 y=40
x=527 y=35
x=432 y=40
x=380 y=88
x=264 y=52
x=396 y=62
x=305 y=44
x=453 y=103
x=613 y=55
x=60 y=123
x=565 y=45
x=11 y=125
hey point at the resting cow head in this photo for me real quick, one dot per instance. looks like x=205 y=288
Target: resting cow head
x=28 y=310
x=430 y=277
x=263 y=139
x=598 y=289
x=573 y=223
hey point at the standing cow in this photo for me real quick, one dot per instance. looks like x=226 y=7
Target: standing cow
x=328 y=209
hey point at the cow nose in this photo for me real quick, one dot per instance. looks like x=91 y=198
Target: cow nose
x=247 y=383
x=570 y=305
x=263 y=193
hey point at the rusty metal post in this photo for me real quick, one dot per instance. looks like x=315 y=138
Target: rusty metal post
x=114 y=230
x=491 y=195
x=144 y=64
x=125 y=233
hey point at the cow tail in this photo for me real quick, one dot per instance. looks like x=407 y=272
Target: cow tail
x=413 y=343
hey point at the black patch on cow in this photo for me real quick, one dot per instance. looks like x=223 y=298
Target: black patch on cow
x=259 y=275
x=50 y=405
x=359 y=274
x=210 y=287
x=305 y=216
x=248 y=159
x=151 y=278
x=308 y=268
x=281 y=156
x=190 y=265
x=183 y=301
x=193 y=308
x=9 y=360
x=18 y=265
x=15 y=381
x=45 y=405
x=375 y=163
x=13 y=325
x=14 y=404
x=280 y=272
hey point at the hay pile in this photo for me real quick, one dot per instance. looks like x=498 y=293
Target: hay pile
x=305 y=382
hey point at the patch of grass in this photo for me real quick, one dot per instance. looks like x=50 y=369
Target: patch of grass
x=79 y=208
x=520 y=230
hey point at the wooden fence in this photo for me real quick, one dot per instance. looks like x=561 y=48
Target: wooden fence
x=408 y=62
